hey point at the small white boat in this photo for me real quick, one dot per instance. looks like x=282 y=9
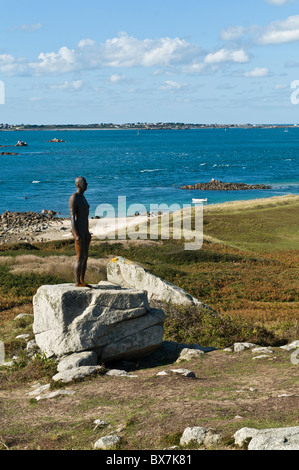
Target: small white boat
x=199 y=201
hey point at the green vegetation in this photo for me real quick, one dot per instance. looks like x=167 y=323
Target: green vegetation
x=194 y=325
x=261 y=226
x=247 y=270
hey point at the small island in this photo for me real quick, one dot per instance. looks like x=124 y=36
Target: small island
x=8 y=153
x=216 y=185
x=20 y=143
x=55 y=140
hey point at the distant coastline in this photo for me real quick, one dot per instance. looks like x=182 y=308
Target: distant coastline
x=139 y=126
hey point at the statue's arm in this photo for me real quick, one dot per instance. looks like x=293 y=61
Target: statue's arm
x=73 y=209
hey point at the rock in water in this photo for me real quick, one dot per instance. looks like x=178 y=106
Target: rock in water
x=115 y=323
x=215 y=185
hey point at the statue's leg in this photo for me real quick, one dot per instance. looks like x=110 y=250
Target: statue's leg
x=80 y=252
x=83 y=265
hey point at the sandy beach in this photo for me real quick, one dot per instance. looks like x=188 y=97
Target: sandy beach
x=55 y=229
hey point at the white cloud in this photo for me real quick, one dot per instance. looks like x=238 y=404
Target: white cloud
x=120 y=51
x=6 y=59
x=28 y=28
x=127 y=51
x=279 y=2
x=194 y=68
x=55 y=62
x=277 y=32
x=117 y=77
x=86 y=43
x=124 y=51
x=8 y=64
x=281 y=31
x=170 y=85
x=226 y=55
x=232 y=33
x=258 y=72
x=75 y=85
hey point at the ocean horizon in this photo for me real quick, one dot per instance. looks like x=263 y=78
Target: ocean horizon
x=146 y=167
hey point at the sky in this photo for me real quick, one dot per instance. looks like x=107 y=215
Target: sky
x=191 y=61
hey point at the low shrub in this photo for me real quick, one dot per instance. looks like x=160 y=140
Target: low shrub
x=201 y=326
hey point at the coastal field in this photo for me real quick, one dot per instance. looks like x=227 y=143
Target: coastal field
x=247 y=270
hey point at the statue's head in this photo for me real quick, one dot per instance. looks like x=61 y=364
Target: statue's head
x=81 y=183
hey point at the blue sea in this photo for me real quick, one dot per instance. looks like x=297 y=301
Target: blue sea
x=148 y=167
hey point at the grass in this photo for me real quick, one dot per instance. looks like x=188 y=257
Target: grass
x=247 y=270
x=256 y=282
x=262 y=226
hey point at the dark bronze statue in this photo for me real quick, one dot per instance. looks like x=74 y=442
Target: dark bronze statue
x=79 y=209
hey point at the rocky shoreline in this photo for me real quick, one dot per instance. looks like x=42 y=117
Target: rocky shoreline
x=215 y=185
x=8 y=153
x=25 y=226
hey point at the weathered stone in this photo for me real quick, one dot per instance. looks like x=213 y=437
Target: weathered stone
x=239 y=347
x=262 y=356
x=269 y=439
x=77 y=373
x=88 y=358
x=24 y=336
x=32 y=348
x=100 y=423
x=262 y=350
x=23 y=315
x=199 y=435
x=291 y=346
x=243 y=436
x=109 y=285
x=115 y=323
x=40 y=389
x=128 y=274
x=120 y=373
x=14 y=224
x=184 y=372
x=107 y=442
x=136 y=345
x=55 y=394
x=189 y=354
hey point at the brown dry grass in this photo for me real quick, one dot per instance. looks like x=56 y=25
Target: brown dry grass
x=154 y=411
x=59 y=266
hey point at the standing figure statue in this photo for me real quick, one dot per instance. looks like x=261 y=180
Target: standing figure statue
x=79 y=209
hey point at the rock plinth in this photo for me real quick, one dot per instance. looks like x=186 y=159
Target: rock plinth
x=115 y=323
